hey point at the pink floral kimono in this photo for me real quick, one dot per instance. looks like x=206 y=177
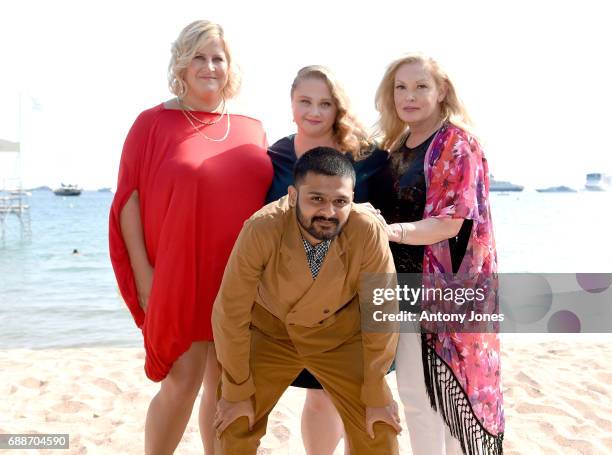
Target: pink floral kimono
x=462 y=370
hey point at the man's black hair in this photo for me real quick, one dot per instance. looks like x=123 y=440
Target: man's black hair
x=325 y=161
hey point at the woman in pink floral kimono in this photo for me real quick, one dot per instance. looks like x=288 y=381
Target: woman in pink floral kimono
x=434 y=196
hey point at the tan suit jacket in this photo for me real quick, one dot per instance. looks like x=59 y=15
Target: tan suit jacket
x=268 y=284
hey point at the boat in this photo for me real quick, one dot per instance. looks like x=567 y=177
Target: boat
x=557 y=189
x=501 y=185
x=68 y=190
x=598 y=182
x=105 y=190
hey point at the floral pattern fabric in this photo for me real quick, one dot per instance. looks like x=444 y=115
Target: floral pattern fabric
x=457 y=178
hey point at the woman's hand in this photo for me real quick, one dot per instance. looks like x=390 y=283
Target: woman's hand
x=374 y=211
x=144 y=283
x=394 y=231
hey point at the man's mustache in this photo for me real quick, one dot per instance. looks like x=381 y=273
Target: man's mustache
x=322 y=218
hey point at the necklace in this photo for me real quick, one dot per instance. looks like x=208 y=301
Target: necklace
x=189 y=112
x=201 y=133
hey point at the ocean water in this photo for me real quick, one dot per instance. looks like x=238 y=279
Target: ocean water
x=51 y=298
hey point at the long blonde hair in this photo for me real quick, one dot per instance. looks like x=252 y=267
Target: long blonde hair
x=191 y=38
x=390 y=129
x=348 y=131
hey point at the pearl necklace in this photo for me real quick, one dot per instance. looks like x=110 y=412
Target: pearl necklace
x=201 y=133
x=189 y=109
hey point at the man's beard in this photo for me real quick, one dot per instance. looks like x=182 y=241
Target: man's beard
x=309 y=225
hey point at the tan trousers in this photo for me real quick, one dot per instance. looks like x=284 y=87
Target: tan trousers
x=275 y=363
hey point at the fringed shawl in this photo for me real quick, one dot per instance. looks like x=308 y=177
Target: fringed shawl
x=462 y=370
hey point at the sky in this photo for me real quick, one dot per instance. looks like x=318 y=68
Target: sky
x=534 y=75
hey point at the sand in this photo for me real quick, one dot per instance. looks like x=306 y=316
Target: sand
x=558 y=397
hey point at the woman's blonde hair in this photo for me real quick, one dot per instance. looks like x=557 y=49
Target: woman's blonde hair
x=192 y=38
x=348 y=131
x=390 y=129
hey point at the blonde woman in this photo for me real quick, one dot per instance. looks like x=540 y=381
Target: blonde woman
x=433 y=193
x=191 y=173
x=323 y=116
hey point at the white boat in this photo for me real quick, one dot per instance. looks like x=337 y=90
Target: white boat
x=598 y=182
x=68 y=190
x=500 y=185
x=556 y=189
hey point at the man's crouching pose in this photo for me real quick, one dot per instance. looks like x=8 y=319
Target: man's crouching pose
x=290 y=299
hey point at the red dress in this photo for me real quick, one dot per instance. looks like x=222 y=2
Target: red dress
x=194 y=196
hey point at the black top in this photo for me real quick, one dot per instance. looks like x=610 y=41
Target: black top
x=399 y=191
x=283 y=158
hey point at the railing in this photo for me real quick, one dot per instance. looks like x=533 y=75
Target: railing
x=14 y=205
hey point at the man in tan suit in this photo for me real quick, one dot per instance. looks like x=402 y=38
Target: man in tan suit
x=290 y=299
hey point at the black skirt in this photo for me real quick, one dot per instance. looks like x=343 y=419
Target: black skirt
x=306 y=380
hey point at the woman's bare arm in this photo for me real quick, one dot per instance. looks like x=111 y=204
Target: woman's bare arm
x=424 y=232
x=133 y=236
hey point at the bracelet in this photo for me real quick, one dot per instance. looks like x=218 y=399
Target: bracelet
x=402 y=237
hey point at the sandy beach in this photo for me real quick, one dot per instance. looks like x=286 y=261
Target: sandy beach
x=558 y=398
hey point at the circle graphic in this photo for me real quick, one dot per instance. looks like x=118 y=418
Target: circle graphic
x=524 y=298
x=564 y=321
x=594 y=282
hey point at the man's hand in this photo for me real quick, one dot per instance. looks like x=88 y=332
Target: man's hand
x=388 y=414
x=228 y=411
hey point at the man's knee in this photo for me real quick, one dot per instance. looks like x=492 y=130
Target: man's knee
x=384 y=442
x=237 y=439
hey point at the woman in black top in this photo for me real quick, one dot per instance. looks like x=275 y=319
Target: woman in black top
x=398 y=190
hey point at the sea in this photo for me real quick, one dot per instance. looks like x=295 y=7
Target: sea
x=52 y=298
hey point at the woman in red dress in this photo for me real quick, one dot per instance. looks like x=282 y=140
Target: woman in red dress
x=190 y=174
